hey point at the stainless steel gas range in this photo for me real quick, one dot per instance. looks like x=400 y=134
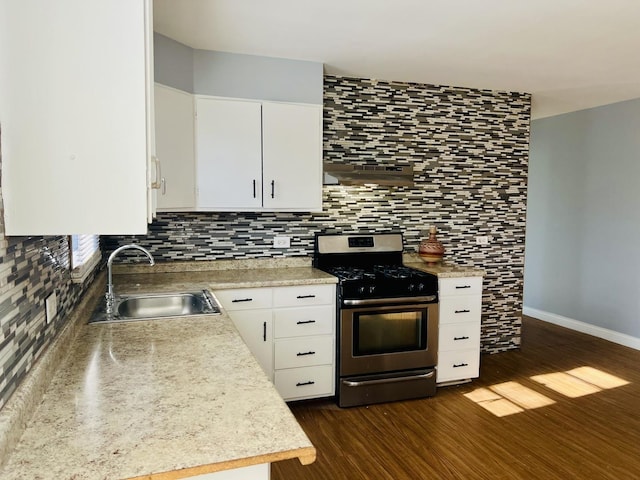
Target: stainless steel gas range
x=387 y=319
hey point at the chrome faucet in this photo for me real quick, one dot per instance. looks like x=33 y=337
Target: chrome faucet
x=109 y=296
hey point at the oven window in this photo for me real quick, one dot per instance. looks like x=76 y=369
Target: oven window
x=388 y=332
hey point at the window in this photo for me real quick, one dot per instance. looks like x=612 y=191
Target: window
x=85 y=255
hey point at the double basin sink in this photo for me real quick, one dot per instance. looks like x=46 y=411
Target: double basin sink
x=148 y=306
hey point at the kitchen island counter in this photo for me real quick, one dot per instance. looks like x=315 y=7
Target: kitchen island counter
x=168 y=398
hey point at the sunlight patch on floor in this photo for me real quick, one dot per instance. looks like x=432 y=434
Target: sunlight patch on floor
x=508 y=398
x=566 y=384
x=597 y=377
x=493 y=402
x=521 y=395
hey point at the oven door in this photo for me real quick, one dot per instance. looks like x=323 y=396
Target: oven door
x=388 y=338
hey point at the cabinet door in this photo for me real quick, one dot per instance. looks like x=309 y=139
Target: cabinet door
x=175 y=148
x=255 y=327
x=75 y=118
x=228 y=152
x=292 y=156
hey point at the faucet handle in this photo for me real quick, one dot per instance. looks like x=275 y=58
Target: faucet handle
x=108 y=297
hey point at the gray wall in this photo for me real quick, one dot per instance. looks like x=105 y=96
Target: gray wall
x=173 y=63
x=583 y=217
x=470 y=151
x=224 y=74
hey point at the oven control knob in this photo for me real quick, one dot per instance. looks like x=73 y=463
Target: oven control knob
x=361 y=290
x=372 y=288
x=420 y=287
x=411 y=287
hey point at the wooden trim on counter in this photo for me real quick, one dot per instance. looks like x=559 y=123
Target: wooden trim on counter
x=305 y=455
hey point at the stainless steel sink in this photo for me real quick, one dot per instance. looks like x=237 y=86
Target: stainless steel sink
x=158 y=305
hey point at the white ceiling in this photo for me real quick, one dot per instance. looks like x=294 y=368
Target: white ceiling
x=569 y=54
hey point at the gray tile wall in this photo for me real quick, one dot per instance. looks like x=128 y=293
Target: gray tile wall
x=31 y=268
x=469 y=149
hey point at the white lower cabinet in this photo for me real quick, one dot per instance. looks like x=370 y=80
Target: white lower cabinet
x=291 y=332
x=261 y=471
x=459 y=329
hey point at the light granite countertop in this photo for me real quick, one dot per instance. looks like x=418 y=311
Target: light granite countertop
x=442 y=269
x=219 y=279
x=180 y=396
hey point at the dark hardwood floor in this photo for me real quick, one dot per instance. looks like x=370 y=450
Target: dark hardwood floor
x=450 y=436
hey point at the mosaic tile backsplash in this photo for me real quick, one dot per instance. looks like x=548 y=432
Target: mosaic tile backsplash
x=31 y=269
x=469 y=149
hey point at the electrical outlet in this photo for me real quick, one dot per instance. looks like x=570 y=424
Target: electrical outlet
x=482 y=240
x=281 y=242
x=51 y=307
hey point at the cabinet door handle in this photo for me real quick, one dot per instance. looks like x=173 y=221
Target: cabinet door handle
x=254 y=188
x=306 y=296
x=462 y=311
x=302 y=384
x=463 y=286
x=457 y=365
x=264 y=331
x=237 y=300
x=156 y=181
x=461 y=338
x=302 y=354
x=273 y=188
x=163 y=186
x=302 y=322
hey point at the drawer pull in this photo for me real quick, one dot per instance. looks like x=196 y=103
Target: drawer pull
x=306 y=296
x=302 y=354
x=462 y=311
x=458 y=365
x=303 y=322
x=238 y=300
x=461 y=338
x=302 y=384
x=264 y=331
x=463 y=286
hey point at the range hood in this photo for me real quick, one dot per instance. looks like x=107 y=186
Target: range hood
x=347 y=174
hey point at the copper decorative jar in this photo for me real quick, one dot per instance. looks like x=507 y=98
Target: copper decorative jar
x=431 y=249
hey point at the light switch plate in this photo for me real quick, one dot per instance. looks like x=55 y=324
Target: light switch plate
x=281 y=242
x=51 y=307
x=482 y=240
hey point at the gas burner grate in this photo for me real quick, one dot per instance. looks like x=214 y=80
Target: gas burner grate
x=352 y=273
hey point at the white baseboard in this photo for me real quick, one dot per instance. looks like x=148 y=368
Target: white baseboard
x=611 y=335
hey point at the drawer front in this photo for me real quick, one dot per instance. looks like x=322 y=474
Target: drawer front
x=460 y=286
x=458 y=365
x=302 y=295
x=459 y=336
x=300 y=322
x=244 y=298
x=308 y=382
x=303 y=352
x=463 y=308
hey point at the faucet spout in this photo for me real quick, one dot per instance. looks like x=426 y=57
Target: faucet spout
x=110 y=296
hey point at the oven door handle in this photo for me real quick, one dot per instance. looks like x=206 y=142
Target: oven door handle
x=388 y=301
x=362 y=383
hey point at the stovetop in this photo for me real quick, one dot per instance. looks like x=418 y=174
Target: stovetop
x=379 y=281
x=370 y=266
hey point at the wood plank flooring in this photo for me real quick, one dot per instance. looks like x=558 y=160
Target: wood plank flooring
x=555 y=435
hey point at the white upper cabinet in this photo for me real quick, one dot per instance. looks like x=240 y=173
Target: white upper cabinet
x=292 y=156
x=258 y=156
x=76 y=116
x=175 y=149
x=229 y=159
